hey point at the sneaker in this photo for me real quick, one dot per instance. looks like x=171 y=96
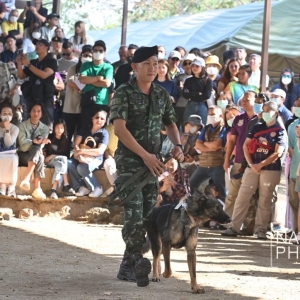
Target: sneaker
x=38 y=194
x=96 y=192
x=25 y=185
x=229 y=232
x=83 y=191
x=11 y=192
x=261 y=235
x=142 y=268
x=276 y=227
x=2 y=189
x=53 y=194
x=126 y=271
x=68 y=191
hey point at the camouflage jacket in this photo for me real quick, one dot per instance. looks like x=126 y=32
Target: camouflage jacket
x=144 y=115
x=6 y=71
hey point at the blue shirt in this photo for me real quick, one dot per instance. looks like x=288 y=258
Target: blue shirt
x=222 y=134
x=270 y=139
x=295 y=161
x=170 y=86
x=7 y=56
x=288 y=99
x=284 y=113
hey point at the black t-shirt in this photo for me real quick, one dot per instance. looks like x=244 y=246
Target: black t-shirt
x=53 y=148
x=100 y=137
x=30 y=16
x=47 y=62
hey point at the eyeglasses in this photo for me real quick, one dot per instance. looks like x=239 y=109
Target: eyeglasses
x=175 y=58
x=286 y=76
x=66 y=54
x=233 y=67
x=187 y=63
x=86 y=55
x=101 y=51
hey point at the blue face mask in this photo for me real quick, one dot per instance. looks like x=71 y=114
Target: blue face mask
x=297 y=111
x=257 y=108
x=276 y=100
x=230 y=121
x=268 y=117
x=222 y=103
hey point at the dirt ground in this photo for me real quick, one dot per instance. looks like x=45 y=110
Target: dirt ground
x=49 y=258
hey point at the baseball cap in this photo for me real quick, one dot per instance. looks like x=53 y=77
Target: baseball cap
x=42 y=41
x=195 y=120
x=175 y=54
x=189 y=56
x=279 y=92
x=52 y=15
x=199 y=61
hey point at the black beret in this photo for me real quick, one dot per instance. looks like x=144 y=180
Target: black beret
x=57 y=39
x=144 y=53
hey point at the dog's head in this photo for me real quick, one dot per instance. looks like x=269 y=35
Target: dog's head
x=204 y=207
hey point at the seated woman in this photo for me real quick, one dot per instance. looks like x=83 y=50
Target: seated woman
x=85 y=161
x=235 y=89
x=9 y=162
x=263 y=171
x=163 y=79
x=57 y=154
x=172 y=186
x=31 y=139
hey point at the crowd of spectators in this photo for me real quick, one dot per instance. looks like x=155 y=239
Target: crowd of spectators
x=55 y=98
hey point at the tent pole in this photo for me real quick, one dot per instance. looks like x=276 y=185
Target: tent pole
x=56 y=6
x=265 y=44
x=124 y=22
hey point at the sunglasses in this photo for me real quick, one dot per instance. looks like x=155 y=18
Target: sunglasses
x=66 y=54
x=86 y=55
x=175 y=58
x=101 y=51
x=187 y=63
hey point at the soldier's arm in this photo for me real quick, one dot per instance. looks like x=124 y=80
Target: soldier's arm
x=173 y=134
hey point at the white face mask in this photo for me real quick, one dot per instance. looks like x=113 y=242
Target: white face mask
x=222 y=103
x=13 y=19
x=36 y=35
x=212 y=70
x=98 y=55
x=6 y=118
x=160 y=55
x=212 y=120
x=286 y=81
x=193 y=129
x=86 y=59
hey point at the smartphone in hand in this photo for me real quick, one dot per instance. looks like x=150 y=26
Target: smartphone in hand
x=28 y=3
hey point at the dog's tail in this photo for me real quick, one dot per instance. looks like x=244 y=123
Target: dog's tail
x=146 y=246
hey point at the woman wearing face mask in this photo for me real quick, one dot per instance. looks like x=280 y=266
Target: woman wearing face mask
x=263 y=171
x=80 y=38
x=286 y=83
x=72 y=108
x=229 y=74
x=28 y=46
x=9 y=162
x=163 y=79
x=197 y=89
x=213 y=68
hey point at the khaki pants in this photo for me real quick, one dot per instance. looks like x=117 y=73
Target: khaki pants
x=266 y=182
x=294 y=202
x=233 y=191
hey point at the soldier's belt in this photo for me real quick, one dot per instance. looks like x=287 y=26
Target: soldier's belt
x=132 y=179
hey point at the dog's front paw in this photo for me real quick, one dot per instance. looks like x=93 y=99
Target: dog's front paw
x=197 y=289
x=167 y=274
x=155 y=279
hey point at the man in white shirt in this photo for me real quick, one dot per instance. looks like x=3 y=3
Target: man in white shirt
x=255 y=63
x=48 y=32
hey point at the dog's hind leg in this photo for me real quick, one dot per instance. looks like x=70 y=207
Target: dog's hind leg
x=166 y=249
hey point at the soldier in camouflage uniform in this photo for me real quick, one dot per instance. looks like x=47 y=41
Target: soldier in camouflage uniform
x=138 y=109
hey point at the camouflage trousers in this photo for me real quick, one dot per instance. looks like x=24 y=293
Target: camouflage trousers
x=137 y=211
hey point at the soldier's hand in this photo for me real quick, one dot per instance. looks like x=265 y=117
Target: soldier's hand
x=177 y=153
x=155 y=166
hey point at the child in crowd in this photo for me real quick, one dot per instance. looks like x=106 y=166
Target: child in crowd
x=57 y=154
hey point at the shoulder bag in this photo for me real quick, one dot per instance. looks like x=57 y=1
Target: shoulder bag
x=85 y=158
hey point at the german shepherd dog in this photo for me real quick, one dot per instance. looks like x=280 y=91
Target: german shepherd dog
x=170 y=227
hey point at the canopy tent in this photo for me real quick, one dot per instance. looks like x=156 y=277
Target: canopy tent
x=219 y=30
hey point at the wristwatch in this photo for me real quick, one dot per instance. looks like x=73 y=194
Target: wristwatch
x=179 y=145
x=29 y=66
x=6 y=131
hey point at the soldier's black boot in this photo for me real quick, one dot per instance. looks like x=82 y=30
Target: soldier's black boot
x=142 y=268
x=126 y=271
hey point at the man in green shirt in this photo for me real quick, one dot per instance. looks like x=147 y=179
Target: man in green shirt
x=97 y=77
